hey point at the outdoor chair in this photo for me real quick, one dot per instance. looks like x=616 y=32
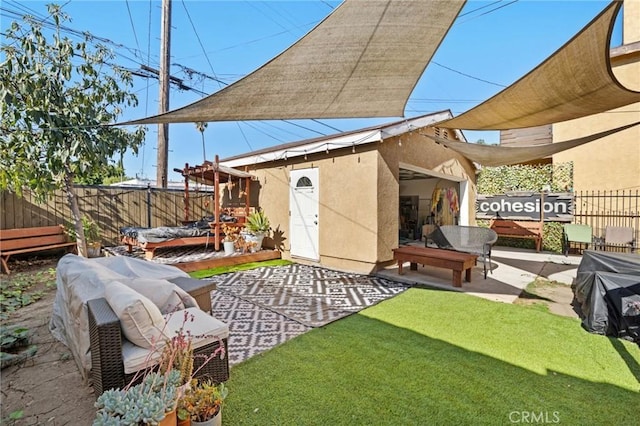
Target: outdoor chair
x=467 y=239
x=618 y=236
x=116 y=361
x=575 y=233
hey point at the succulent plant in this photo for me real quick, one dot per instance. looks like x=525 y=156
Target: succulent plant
x=144 y=403
x=257 y=223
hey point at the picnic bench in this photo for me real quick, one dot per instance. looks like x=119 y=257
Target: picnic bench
x=519 y=229
x=456 y=261
x=27 y=240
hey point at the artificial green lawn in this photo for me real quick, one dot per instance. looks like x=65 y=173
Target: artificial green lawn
x=204 y=273
x=436 y=357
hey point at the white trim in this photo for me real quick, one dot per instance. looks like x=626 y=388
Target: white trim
x=465 y=217
x=342 y=141
x=417 y=169
x=353 y=139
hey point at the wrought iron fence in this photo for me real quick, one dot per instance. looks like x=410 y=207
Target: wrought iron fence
x=600 y=209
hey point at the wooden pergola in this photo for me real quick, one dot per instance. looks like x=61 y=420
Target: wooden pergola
x=212 y=174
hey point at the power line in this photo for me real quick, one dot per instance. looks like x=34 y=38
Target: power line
x=133 y=27
x=467 y=75
x=200 y=41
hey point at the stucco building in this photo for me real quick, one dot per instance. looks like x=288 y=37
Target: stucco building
x=336 y=200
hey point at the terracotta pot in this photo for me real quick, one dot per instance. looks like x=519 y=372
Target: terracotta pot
x=170 y=419
x=186 y=422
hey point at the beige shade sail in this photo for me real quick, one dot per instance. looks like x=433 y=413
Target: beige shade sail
x=574 y=82
x=363 y=60
x=495 y=155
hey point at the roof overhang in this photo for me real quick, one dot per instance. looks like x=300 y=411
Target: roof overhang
x=340 y=141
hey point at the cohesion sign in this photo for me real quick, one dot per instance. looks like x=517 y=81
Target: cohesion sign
x=556 y=207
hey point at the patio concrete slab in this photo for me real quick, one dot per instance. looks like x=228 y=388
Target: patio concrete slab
x=511 y=271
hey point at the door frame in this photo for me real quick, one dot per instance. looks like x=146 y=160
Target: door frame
x=294 y=176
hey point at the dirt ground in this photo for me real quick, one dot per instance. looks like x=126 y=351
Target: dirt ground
x=48 y=389
x=555 y=297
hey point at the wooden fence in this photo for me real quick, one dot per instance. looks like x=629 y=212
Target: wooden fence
x=114 y=207
x=110 y=207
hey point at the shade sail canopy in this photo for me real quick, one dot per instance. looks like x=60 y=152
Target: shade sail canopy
x=574 y=82
x=495 y=155
x=363 y=60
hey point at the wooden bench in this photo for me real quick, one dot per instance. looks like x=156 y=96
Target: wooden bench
x=519 y=229
x=454 y=260
x=27 y=240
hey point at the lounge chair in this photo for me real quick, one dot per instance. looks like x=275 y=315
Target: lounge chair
x=576 y=233
x=619 y=236
x=467 y=239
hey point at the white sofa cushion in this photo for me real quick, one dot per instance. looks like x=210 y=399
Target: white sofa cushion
x=167 y=296
x=203 y=328
x=141 y=320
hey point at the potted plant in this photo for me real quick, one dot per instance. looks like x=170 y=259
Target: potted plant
x=256 y=227
x=177 y=355
x=92 y=235
x=231 y=234
x=202 y=403
x=152 y=402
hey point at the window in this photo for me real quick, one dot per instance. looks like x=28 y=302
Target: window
x=304 y=182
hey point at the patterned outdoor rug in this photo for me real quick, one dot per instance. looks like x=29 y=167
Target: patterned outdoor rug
x=171 y=255
x=252 y=329
x=310 y=295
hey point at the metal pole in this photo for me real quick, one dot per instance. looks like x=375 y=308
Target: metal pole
x=163 y=129
x=148 y=205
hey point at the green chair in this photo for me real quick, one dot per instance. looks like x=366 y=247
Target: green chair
x=575 y=233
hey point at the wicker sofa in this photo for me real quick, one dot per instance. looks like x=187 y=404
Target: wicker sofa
x=115 y=313
x=115 y=360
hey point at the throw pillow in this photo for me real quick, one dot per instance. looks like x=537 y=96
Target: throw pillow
x=141 y=320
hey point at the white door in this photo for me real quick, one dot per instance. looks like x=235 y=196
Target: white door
x=303 y=210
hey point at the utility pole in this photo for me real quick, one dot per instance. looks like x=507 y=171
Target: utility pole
x=163 y=128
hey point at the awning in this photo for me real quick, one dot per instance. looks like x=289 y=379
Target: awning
x=576 y=81
x=496 y=155
x=363 y=60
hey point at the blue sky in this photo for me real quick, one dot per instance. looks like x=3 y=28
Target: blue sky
x=491 y=45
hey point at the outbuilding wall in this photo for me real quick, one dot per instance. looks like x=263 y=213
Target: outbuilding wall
x=358 y=197
x=420 y=151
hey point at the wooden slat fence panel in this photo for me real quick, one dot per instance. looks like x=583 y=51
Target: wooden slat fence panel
x=110 y=207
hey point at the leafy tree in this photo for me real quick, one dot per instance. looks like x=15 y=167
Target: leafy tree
x=57 y=96
x=111 y=174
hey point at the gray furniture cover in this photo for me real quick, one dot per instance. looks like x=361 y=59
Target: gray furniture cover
x=79 y=280
x=607 y=289
x=467 y=239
